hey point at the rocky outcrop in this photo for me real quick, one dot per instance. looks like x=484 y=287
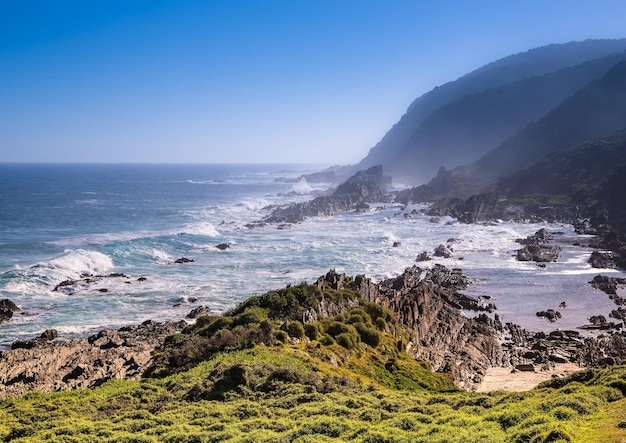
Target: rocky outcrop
x=47 y=365
x=603 y=260
x=608 y=285
x=524 y=347
x=537 y=248
x=7 y=308
x=426 y=303
x=70 y=287
x=550 y=314
x=355 y=193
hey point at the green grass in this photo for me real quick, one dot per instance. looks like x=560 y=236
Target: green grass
x=231 y=379
x=290 y=396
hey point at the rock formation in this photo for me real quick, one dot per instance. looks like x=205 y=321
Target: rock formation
x=426 y=303
x=537 y=248
x=355 y=193
x=7 y=308
x=47 y=365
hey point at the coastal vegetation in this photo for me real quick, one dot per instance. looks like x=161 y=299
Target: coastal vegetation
x=257 y=374
x=282 y=393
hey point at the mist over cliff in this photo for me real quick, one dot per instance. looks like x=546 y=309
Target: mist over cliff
x=460 y=121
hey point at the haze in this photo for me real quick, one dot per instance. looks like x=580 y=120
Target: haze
x=248 y=81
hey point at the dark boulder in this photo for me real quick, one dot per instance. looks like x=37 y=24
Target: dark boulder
x=550 y=314
x=223 y=246
x=184 y=260
x=423 y=257
x=607 y=284
x=199 y=312
x=442 y=251
x=603 y=260
x=537 y=249
x=7 y=308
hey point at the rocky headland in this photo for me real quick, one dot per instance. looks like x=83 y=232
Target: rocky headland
x=355 y=193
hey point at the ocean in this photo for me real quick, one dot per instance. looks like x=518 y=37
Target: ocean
x=62 y=222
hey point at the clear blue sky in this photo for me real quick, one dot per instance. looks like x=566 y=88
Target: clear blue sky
x=249 y=81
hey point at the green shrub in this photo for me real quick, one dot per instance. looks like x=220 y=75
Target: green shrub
x=215 y=325
x=336 y=328
x=368 y=334
x=347 y=339
x=287 y=303
x=312 y=331
x=281 y=336
x=250 y=316
x=327 y=340
x=381 y=323
x=358 y=315
x=295 y=329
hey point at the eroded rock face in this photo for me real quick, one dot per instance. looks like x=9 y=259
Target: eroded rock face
x=426 y=302
x=47 y=365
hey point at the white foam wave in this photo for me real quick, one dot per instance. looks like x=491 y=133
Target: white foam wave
x=160 y=256
x=80 y=261
x=302 y=187
x=71 y=265
x=253 y=204
x=205 y=229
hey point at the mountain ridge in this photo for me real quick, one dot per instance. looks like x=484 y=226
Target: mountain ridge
x=532 y=63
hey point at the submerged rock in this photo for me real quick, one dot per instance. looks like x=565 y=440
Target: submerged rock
x=184 y=260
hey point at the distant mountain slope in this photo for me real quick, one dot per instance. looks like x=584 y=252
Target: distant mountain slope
x=463 y=130
x=509 y=70
x=579 y=175
x=596 y=110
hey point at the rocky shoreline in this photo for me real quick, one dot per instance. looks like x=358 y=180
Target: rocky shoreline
x=427 y=302
x=47 y=364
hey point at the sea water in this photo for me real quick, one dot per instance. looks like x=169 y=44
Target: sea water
x=61 y=221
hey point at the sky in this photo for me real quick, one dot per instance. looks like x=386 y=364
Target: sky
x=238 y=81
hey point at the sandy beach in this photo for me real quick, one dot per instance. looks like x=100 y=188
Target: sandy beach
x=509 y=380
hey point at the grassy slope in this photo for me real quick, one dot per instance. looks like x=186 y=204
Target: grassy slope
x=589 y=407
x=247 y=380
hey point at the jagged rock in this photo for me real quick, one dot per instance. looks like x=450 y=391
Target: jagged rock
x=49 y=334
x=199 y=312
x=364 y=187
x=423 y=257
x=536 y=248
x=606 y=284
x=619 y=314
x=442 y=251
x=397 y=244
x=60 y=365
x=7 y=308
x=597 y=320
x=603 y=260
x=550 y=314
x=223 y=246
x=423 y=301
